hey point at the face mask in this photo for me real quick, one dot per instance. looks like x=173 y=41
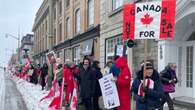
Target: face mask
x=85 y=66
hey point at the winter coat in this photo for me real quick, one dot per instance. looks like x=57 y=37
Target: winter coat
x=154 y=98
x=167 y=74
x=59 y=75
x=123 y=84
x=98 y=75
x=44 y=72
x=68 y=80
x=87 y=79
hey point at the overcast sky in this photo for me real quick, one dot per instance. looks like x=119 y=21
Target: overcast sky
x=15 y=15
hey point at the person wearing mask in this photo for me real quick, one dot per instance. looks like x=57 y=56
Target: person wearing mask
x=149 y=93
x=87 y=79
x=44 y=72
x=123 y=83
x=98 y=93
x=169 y=79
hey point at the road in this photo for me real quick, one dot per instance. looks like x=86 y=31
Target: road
x=11 y=99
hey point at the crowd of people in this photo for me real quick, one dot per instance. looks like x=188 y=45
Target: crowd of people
x=150 y=89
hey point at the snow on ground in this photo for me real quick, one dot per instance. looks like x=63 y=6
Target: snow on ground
x=32 y=94
x=2 y=90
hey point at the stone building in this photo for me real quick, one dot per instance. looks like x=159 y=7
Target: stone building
x=68 y=27
x=27 y=45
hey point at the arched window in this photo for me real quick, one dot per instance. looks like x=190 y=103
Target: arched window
x=68 y=29
x=77 y=21
x=90 y=18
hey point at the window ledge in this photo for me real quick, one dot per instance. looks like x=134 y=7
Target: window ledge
x=116 y=11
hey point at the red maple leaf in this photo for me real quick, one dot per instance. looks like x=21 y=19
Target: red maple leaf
x=146 y=20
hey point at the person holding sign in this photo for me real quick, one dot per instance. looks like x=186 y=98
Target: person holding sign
x=123 y=83
x=149 y=95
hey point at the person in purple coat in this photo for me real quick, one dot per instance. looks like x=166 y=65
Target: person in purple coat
x=169 y=79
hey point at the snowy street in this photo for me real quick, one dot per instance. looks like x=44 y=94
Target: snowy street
x=11 y=99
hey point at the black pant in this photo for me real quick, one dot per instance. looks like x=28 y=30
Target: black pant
x=96 y=103
x=169 y=101
x=88 y=103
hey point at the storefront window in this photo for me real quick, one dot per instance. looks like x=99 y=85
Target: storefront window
x=67 y=54
x=110 y=46
x=76 y=55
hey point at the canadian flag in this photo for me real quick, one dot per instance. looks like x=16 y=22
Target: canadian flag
x=148 y=83
x=51 y=92
x=73 y=103
x=149 y=20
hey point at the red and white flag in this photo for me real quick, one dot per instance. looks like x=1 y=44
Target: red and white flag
x=149 y=20
x=74 y=98
x=51 y=92
x=148 y=83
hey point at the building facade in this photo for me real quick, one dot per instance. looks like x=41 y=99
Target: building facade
x=76 y=27
x=182 y=49
x=27 y=45
x=41 y=32
x=68 y=27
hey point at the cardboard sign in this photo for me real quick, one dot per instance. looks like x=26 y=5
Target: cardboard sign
x=149 y=20
x=109 y=92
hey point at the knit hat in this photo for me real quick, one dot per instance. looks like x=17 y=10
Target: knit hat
x=149 y=65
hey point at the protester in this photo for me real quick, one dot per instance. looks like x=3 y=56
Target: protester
x=123 y=83
x=59 y=74
x=44 y=72
x=169 y=79
x=87 y=79
x=36 y=73
x=98 y=93
x=149 y=95
x=107 y=68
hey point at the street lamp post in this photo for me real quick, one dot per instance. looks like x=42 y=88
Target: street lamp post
x=18 y=39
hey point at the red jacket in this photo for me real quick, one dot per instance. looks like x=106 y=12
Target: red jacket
x=123 y=84
x=68 y=80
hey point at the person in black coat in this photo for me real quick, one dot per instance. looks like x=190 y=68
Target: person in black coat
x=87 y=79
x=169 y=79
x=98 y=92
x=44 y=72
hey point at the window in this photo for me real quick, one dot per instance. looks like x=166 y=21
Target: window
x=60 y=8
x=90 y=17
x=54 y=14
x=76 y=55
x=116 y=4
x=110 y=46
x=67 y=3
x=68 y=27
x=54 y=36
x=77 y=19
x=60 y=32
x=189 y=67
x=67 y=54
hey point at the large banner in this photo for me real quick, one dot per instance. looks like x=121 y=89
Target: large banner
x=109 y=92
x=149 y=20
